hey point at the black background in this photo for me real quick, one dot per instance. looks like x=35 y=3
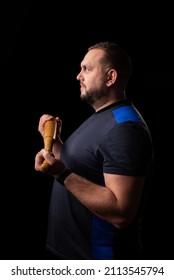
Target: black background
x=42 y=45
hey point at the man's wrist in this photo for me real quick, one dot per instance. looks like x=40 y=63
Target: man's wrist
x=61 y=178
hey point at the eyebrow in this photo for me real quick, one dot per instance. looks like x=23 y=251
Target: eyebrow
x=84 y=65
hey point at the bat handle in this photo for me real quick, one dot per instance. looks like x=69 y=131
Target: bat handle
x=45 y=166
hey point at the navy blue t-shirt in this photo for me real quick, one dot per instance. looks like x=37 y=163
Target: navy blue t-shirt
x=114 y=140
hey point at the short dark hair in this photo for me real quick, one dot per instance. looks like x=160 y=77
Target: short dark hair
x=118 y=59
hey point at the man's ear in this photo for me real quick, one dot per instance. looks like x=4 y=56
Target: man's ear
x=111 y=77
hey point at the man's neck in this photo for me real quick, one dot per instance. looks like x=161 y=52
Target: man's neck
x=101 y=106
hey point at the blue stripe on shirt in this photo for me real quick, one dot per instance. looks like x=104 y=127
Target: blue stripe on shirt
x=127 y=113
x=102 y=240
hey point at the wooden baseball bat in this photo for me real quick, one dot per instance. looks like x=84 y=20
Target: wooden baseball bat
x=49 y=135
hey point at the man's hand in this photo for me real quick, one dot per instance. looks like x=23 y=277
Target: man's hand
x=56 y=166
x=45 y=118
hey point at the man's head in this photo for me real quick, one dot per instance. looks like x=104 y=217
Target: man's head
x=117 y=58
x=105 y=71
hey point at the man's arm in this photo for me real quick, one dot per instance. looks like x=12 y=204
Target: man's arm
x=117 y=202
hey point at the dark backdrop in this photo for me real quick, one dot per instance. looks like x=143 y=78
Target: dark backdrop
x=41 y=49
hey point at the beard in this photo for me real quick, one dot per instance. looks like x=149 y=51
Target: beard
x=91 y=97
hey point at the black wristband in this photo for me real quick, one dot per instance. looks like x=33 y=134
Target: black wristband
x=61 y=178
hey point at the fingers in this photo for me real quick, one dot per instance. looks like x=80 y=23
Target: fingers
x=39 y=158
x=48 y=156
x=45 y=118
x=55 y=166
x=42 y=121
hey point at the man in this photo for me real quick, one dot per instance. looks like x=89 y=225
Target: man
x=102 y=170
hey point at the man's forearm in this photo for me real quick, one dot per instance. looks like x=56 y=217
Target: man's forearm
x=98 y=199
